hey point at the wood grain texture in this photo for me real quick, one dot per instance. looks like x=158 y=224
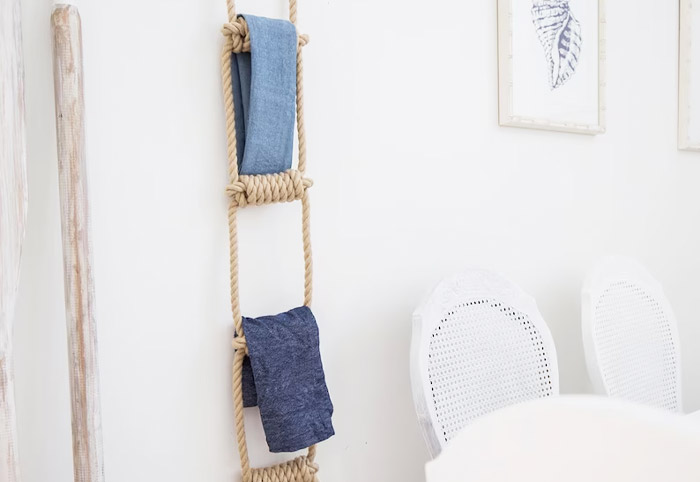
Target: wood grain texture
x=77 y=260
x=13 y=213
x=685 y=67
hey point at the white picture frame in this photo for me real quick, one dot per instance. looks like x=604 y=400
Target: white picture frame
x=572 y=101
x=688 y=128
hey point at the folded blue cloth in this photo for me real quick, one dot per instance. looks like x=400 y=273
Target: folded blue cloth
x=295 y=406
x=250 y=394
x=264 y=94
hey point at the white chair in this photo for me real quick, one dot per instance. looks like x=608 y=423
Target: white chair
x=572 y=438
x=479 y=344
x=630 y=335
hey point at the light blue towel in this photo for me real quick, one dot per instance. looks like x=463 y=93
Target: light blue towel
x=264 y=94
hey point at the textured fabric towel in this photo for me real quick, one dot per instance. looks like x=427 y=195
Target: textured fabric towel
x=295 y=406
x=250 y=394
x=264 y=94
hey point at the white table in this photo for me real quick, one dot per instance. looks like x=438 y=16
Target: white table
x=694 y=418
x=573 y=439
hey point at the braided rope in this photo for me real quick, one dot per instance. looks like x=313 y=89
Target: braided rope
x=244 y=190
x=300 y=469
x=262 y=189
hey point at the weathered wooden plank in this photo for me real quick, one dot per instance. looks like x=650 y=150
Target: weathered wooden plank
x=13 y=213
x=77 y=260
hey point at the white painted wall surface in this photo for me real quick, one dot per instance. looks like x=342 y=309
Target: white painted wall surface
x=414 y=181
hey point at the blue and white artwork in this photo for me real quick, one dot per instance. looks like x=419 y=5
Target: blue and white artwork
x=551 y=73
x=560 y=35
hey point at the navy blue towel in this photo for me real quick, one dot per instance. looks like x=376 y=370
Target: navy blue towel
x=250 y=395
x=287 y=379
x=264 y=94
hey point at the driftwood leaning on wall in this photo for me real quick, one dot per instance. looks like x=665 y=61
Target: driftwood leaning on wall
x=13 y=215
x=77 y=259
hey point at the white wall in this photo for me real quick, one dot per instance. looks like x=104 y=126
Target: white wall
x=414 y=180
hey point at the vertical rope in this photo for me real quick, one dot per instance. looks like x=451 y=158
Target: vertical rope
x=293 y=11
x=306 y=238
x=301 y=134
x=231 y=5
x=312 y=453
x=301 y=128
x=237 y=371
x=238 y=357
x=226 y=58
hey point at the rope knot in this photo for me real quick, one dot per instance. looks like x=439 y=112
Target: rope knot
x=262 y=189
x=239 y=34
x=235 y=188
x=239 y=343
x=313 y=466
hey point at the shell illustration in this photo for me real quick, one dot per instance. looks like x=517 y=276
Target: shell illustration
x=560 y=35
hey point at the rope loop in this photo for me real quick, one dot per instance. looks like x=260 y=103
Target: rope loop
x=239 y=343
x=238 y=31
x=262 y=189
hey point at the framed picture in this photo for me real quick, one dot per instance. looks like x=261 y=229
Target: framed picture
x=551 y=65
x=689 y=76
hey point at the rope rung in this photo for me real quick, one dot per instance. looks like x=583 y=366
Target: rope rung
x=262 y=189
x=301 y=469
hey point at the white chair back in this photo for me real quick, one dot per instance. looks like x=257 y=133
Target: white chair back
x=479 y=344
x=630 y=335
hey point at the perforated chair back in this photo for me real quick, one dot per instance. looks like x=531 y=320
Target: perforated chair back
x=479 y=344
x=630 y=335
